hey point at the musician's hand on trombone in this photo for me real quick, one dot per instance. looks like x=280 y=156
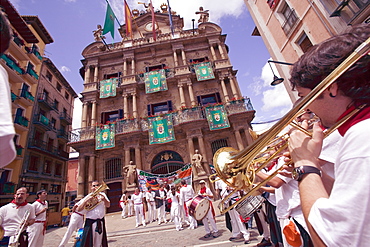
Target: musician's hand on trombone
x=303 y=149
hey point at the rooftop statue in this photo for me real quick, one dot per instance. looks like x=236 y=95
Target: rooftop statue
x=204 y=15
x=98 y=33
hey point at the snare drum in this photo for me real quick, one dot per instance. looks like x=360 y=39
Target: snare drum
x=199 y=207
x=247 y=207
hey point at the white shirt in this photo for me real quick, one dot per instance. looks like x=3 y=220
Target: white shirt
x=343 y=218
x=7 y=132
x=150 y=196
x=186 y=193
x=38 y=207
x=11 y=217
x=138 y=199
x=99 y=211
x=208 y=193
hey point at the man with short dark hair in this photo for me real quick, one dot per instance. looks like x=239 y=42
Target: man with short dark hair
x=36 y=232
x=12 y=215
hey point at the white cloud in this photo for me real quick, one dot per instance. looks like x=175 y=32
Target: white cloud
x=77 y=113
x=186 y=9
x=65 y=69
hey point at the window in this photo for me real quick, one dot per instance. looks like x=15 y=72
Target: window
x=160 y=108
x=47 y=166
x=304 y=42
x=111 y=116
x=156 y=67
x=289 y=18
x=44 y=187
x=216 y=145
x=45 y=95
x=66 y=95
x=272 y=3
x=209 y=99
x=56 y=104
x=345 y=9
x=49 y=76
x=59 y=87
x=33 y=163
x=55 y=188
x=114 y=75
x=58 y=169
x=31 y=187
x=53 y=123
x=199 y=60
x=113 y=168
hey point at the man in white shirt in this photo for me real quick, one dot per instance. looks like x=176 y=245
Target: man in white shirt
x=186 y=195
x=149 y=195
x=12 y=215
x=160 y=198
x=138 y=199
x=36 y=232
x=94 y=233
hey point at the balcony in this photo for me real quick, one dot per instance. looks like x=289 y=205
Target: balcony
x=45 y=147
x=127 y=126
x=239 y=106
x=62 y=134
x=12 y=64
x=32 y=72
x=64 y=117
x=7 y=188
x=19 y=150
x=34 y=50
x=26 y=98
x=82 y=134
x=42 y=121
x=46 y=101
x=22 y=121
x=13 y=96
x=188 y=115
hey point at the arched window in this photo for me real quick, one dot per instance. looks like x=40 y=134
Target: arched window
x=167 y=162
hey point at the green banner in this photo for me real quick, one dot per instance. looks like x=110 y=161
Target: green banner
x=161 y=129
x=105 y=136
x=108 y=88
x=204 y=71
x=155 y=81
x=44 y=119
x=217 y=117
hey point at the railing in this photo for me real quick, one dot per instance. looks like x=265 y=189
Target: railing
x=46 y=147
x=34 y=50
x=32 y=72
x=27 y=95
x=290 y=22
x=82 y=134
x=7 y=188
x=64 y=116
x=62 y=134
x=188 y=115
x=46 y=100
x=13 y=96
x=127 y=125
x=12 y=64
x=18 y=41
x=42 y=120
x=238 y=106
x=19 y=150
x=21 y=121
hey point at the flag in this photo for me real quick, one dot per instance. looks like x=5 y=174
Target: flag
x=155 y=81
x=161 y=129
x=204 y=71
x=217 y=117
x=108 y=88
x=170 y=15
x=109 y=22
x=105 y=136
x=128 y=20
x=153 y=21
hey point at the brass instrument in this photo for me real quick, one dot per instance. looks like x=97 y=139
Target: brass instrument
x=238 y=169
x=2 y=232
x=13 y=240
x=94 y=201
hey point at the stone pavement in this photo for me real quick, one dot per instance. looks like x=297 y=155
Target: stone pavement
x=122 y=232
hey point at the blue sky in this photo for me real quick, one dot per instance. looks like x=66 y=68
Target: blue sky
x=71 y=22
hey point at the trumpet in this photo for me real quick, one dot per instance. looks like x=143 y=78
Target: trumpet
x=94 y=201
x=13 y=241
x=238 y=169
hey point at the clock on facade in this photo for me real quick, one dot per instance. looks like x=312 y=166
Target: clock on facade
x=149 y=26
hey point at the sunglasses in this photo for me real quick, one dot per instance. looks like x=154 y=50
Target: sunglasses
x=95 y=185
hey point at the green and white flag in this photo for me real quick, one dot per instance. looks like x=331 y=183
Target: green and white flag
x=155 y=81
x=105 y=136
x=108 y=88
x=217 y=117
x=204 y=71
x=161 y=129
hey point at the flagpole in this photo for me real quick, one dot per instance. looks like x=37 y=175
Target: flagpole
x=114 y=14
x=170 y=15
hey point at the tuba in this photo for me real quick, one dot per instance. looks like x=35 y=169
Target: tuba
x=13 y=241
x=238 y=169
x=94 y=201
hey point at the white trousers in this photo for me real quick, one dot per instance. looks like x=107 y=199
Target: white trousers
x=161 y=212
x=191 y=219
x=125 y=209
x=209 y=219
x=237 y=225
x=139 y=214
x=75 y=223
x=175 y=216
x=151 y=211
x=35 y=234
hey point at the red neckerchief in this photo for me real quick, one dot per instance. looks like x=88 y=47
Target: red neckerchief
x=19 y=205
x=137 y=193
x=203 y=190
x=43 y=203
x=360 y=116
x=272 y=164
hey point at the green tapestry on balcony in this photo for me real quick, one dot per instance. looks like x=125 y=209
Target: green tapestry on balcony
x=108 y=87
x=105 y=136
x=44 y=119
x=161 y=129
x=204 y=71
x=155 y=81
x=217 y=117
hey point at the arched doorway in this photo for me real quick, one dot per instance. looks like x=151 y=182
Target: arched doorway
x=114 y=194
x=167 y=162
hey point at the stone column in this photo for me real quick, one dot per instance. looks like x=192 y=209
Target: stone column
x=96 y=73
x=190 y=147
x=125 y=67
x=91 y=175
x=134 y=105
x=138 y=158
x=84 y=114
x=224 y=90
x=239 y=140
x=248 y=136
x=93 y=113
x=183 y=57
x=125 y=105
x=233 y=88
x=81 y=177
x=221 y=51
x=191 y=94
x=87 y=74
x=202 y=148
x=127 y=156
x=213 y=52
x=182 y=97
x=175 y=59
x=132 y=66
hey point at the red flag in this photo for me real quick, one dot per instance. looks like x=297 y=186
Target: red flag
x=128 y=20
x=153 y=21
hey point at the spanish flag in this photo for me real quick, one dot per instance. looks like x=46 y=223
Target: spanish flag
x=128 y=20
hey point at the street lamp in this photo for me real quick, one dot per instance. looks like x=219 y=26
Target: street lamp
x=277 y=80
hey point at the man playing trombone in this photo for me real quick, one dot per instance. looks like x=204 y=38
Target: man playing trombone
x=14 y=219
x=336 y=212
x=94 y=233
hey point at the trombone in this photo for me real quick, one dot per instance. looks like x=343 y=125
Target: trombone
x=237 y=169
